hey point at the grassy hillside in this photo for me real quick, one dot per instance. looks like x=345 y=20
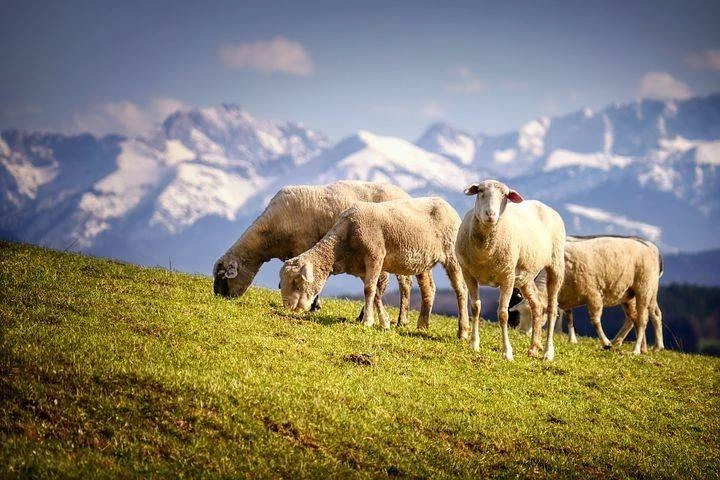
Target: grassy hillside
x=120 y=370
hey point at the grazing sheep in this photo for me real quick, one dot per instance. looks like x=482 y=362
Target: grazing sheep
x=294 y=220
x=506 y=244
x=604 y=271
x=405 y=237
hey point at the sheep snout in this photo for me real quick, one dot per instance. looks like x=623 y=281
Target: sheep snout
x=221 y=287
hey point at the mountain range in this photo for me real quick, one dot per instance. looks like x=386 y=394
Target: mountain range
x=182 y=195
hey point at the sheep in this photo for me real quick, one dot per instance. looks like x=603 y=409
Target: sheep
x=294 y=220
x=405 y=237
x=604 y=271
x=505 y=242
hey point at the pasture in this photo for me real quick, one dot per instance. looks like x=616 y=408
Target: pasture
x=112 y=370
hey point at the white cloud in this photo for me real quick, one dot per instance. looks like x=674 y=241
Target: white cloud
x=125 y=117
x=661 y=85
x=707 y=60
x=467 y=82
x=432 y=110
x=276 y=55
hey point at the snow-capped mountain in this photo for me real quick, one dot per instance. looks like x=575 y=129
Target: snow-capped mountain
x=648 y=167
x=186 y=192
x=209 y=162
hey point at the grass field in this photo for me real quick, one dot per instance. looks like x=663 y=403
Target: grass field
x=111 y=370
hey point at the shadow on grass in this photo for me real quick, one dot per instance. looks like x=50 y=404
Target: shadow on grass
x=321 y=318
x=424 y=334
x=327 y=320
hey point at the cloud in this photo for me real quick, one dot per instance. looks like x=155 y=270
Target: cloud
x=661 y=85
x=707 y=60
x=467 y=82
x=432 y=110
x=277 y=55
x=125 y=117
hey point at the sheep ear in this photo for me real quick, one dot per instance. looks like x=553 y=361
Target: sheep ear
x=472 y=189
x=231 y=269
x=306 y=272
x=514 y=196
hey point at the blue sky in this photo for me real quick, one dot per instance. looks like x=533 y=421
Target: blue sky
x=480 y=66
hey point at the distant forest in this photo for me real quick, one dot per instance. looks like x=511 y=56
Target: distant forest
x=691 y=316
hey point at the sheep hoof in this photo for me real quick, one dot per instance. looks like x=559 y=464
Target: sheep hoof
x=549 y=356
x=533 y=351
x=508 y=356
x=463 y=334
x=609 y=346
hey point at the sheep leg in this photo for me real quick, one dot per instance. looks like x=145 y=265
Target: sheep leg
x=502 y=314
x=372 y=275
x=630 y=316
x=382 y=285
x=452 y=268
x=316 y=304
x=554 y=282
x=656 y=317
x=405 y=284
x=642 y=319
x=595 y=309
x=530 y=292
x=571 y=325
x=472 y=286
x=427 y=297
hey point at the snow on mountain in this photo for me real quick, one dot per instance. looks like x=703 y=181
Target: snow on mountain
x=187 y=191
x=200 y=163
x=661 y=154
x=531 y=137
x=449 y=142
x=27 y=176
x=139 y=170
x=564 y=158
x=612 y=221
x=229 y=136
x=370 y=157
x=199 y=191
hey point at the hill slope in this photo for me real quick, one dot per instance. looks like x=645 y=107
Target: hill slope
x=115 y=368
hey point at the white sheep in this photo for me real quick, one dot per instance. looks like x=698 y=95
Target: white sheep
x=405 y=237
x=604 y=271
x=294 y=220
x=506 y=244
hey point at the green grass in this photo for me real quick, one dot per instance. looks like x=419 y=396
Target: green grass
x=114 y=370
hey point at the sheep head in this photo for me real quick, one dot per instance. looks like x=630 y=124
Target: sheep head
x=231 y=278
x=491 y=199
x=300 y=283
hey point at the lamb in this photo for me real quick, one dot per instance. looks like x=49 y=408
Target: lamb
x=505 y=242
x=294 y=220
x=604 y=271
x=405 y=237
